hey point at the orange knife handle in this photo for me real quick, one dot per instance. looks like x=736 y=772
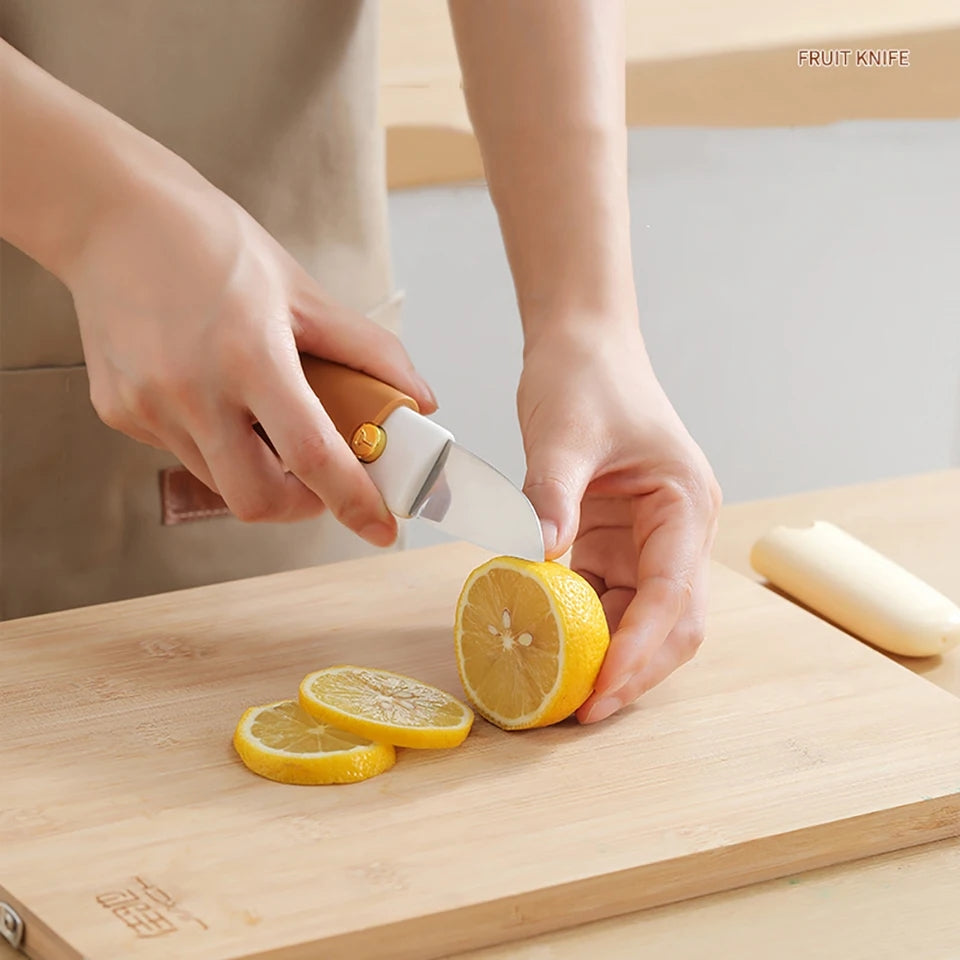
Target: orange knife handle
x=352 y=398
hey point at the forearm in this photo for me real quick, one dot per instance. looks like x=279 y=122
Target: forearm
x=544 y=83
x=64 y=162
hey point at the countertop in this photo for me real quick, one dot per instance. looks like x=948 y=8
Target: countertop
x=891 y=907
x=897 y=905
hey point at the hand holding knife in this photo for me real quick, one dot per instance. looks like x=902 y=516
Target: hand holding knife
x=419 y=468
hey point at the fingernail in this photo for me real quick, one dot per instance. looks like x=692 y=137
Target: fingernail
x=550 y=535
x=425 y=388
x=603 y=708
x=379 y=534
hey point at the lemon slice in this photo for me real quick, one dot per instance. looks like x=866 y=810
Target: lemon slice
x=530 y=640
x=282 y=742
x=385 y=706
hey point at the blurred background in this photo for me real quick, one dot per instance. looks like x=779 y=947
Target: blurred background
x=796 y=236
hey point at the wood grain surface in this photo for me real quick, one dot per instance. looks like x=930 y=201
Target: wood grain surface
x=130 y=830
x=886 y=907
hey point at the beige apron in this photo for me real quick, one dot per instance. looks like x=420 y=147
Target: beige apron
x=274 y=101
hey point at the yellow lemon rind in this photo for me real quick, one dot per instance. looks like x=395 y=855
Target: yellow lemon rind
x=414 y=737
x=578 y=663
x=347 y=766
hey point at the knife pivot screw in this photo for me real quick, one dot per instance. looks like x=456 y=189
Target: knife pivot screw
x=368 y=442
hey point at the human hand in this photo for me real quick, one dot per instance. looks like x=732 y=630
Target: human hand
x=612 y=471
x=192 y=319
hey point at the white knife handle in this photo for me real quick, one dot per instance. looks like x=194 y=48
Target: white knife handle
x=356 y=401
x=413 y=445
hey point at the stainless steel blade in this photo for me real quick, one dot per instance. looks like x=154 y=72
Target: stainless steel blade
x=470 y=500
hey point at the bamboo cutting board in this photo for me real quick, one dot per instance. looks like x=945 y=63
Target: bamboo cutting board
x=129 y=830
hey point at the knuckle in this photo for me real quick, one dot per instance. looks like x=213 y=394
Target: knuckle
x=236 y=354
x=682 y=589
x=688 y=642
x=248 y=345
x=109 y=409
x=139 y=404
x=311 y=454
x=679 y=489
x=549 y=483
x=698 y=486
x=714 y=493
x=254 y=506
x=178 y=383
x=167 y=386
x=677 y=591
x=355 y=511
x=190 y=403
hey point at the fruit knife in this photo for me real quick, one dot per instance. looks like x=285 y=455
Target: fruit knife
x=419 y=468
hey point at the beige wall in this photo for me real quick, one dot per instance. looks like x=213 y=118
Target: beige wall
x=690 y=63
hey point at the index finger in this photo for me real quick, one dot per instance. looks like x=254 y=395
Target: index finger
x=311 y=448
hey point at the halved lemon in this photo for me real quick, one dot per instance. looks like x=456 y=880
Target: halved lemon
x=281 y=742
x=386 y=706
x=530 y=640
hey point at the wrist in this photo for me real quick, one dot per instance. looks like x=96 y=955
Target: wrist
x=134 y=180
x=65 y=165
x=583 y=326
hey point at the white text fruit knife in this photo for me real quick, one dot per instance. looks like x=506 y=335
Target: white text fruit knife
x=419 y=468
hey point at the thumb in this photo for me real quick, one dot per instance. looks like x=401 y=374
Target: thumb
x=331 y=331
x=555 y=484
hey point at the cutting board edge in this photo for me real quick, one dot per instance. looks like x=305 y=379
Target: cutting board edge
x=440 y=936
x=510 y=916
x=304 y=577
x=40 y=941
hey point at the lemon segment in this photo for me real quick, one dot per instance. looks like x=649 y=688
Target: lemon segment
x=386 y=706
x=281 y=742
x=530 y=639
